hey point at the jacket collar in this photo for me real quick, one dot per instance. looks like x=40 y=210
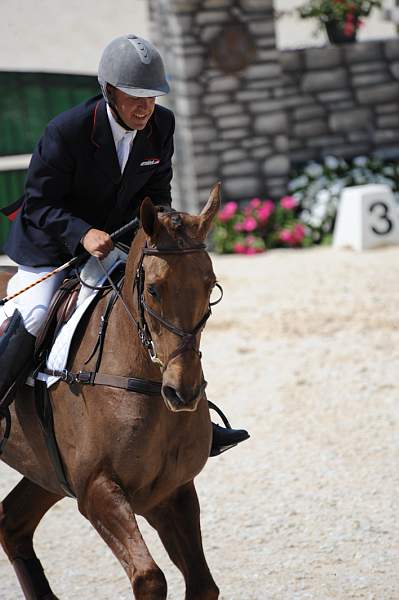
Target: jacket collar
x=103 y=141
x=118 y=132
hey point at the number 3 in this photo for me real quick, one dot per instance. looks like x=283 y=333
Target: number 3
x=383 y=216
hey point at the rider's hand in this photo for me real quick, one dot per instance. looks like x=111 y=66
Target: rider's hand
x=98 y=243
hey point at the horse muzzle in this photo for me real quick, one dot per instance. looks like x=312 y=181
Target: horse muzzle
x=178 y=401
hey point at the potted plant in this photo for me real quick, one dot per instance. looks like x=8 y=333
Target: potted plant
x=341 y=18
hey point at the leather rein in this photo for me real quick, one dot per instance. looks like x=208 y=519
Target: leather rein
x=133 y=384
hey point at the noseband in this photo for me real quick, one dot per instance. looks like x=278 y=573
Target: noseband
x=188 y=337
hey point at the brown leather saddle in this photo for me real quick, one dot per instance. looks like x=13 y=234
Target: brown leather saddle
x=59 y=312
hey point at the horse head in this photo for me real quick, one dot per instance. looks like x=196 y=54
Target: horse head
x=173 y=284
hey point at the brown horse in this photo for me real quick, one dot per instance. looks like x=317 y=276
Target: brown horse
x=127 y=453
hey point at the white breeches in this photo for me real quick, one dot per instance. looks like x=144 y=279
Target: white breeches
x=34 y=303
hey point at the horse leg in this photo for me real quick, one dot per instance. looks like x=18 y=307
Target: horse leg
x=107 y=508
x=20 y=514
x=177 y=521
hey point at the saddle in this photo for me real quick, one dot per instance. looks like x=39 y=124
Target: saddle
x=60 y=310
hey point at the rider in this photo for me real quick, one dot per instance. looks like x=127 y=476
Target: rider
x=89 y=173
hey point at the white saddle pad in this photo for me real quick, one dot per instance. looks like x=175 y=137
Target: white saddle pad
x=93 y=275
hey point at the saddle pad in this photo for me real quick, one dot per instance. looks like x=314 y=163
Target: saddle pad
x=94 y=276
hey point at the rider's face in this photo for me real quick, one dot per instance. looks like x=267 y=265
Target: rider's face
x=134 y=111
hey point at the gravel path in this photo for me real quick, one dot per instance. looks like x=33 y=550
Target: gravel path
x=304 y=352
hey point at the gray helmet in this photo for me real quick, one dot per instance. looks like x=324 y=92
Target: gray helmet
x=134 y=66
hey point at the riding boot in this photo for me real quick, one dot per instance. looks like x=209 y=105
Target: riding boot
x=16 y=353
x=224 y=438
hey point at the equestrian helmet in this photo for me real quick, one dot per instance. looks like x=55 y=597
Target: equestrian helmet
x=134 y=66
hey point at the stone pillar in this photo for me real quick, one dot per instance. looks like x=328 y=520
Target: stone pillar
x=227 y=96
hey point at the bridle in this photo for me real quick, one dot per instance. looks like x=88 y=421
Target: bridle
x=188 y=337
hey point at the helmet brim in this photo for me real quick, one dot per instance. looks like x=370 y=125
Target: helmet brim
x=142 y=93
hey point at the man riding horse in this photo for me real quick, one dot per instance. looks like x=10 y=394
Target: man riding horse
x=89 y=174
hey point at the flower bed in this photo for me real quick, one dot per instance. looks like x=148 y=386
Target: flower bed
x=257 y=226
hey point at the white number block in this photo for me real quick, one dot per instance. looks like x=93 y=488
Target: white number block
x=367 y=217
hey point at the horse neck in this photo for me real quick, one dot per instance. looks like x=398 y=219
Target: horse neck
x=132 y=263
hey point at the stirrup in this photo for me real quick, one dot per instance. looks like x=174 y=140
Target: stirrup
x=236 y=435
x=220 y=413
x=5 y=414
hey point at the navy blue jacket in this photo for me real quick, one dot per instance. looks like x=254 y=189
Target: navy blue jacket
x=74 y=182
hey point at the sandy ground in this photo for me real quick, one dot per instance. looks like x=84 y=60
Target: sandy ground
x=304 y=351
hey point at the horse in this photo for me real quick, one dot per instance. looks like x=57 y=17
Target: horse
x=128 y=453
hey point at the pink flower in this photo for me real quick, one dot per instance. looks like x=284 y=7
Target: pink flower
x=265 y=210
x=239 y=248
x=294 y=236
x=228 y=211
x=238 y=227
x=223 y=216
x=251 y=251
x=249 y=224
x=231 y=208
x=285 y=236
x=349 y=29
x=255 y=202
x=250 y=240
x=298 y=233
x=288 y=202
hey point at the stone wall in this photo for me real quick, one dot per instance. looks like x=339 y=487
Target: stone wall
x=247 y=122
x=342 y=100
x=231 y=125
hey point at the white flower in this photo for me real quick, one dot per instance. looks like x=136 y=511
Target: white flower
x=337 y=186
x=384 y=180
x=319 y=210
x=313 y=169
x=314 y=221
x=323 y=196
x=360 y=161
x=298 y=182
x=389 y=170
x=359 y=176
x=331 y=162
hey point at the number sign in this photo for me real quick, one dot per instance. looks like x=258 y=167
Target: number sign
x=367 y=217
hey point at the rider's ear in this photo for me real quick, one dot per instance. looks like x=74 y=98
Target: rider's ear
x=210 y=210
x=148 y=217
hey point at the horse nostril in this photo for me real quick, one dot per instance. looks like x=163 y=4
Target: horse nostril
x=172 y=396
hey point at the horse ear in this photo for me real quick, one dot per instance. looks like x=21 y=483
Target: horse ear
x=210 y=210
x=148 y=217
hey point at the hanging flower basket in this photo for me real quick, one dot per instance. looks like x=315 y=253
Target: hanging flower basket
x=341 y=18
x=337 y=33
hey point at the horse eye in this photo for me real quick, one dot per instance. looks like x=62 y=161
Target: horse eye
x=152 y=290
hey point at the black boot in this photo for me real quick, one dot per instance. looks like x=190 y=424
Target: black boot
x=16 y=353
x=224 y=438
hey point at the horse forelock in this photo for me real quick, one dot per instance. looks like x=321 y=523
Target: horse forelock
x=178 y=229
